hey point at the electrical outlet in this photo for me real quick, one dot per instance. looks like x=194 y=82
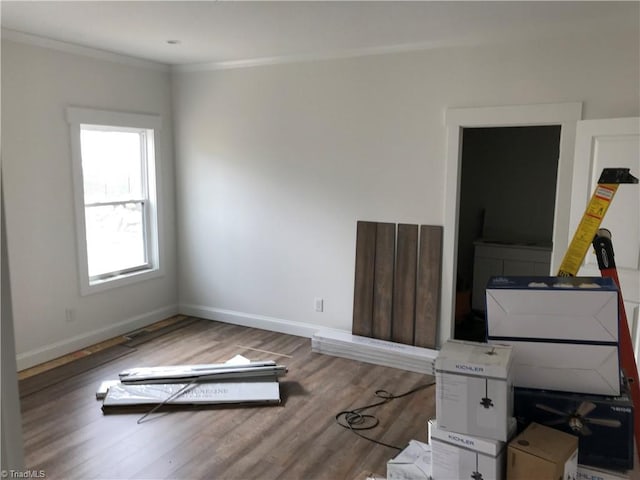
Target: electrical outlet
x=319 y=303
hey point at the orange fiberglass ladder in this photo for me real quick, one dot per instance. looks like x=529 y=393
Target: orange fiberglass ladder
x=589 y=234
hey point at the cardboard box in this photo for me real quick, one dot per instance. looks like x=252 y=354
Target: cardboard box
x=603 y=425
x=474 y=392
x=573 y=308
x=592 y=473
x=412 y=463
x=542 y=453
x=456 y=455
x=564 y=331
x=589 y=369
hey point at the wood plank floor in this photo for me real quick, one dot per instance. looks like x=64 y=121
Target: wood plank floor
x=68 y=437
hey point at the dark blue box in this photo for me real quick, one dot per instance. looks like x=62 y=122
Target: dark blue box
x=604 y=425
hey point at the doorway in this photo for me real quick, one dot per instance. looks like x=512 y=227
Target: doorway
x=506 y=212
x=457 y=119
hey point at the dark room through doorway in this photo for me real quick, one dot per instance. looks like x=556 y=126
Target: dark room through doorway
x=506 y=212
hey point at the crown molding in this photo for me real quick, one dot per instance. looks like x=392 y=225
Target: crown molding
x=35 y=40
x=312 y=57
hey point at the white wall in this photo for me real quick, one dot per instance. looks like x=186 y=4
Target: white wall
x=11 y=446
x=37 y=85
x=275 y=164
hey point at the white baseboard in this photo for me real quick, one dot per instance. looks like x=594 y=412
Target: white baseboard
x=377 y=352
x=327 y=341
x=363 y=349
x=55 y=350
x=273 y=324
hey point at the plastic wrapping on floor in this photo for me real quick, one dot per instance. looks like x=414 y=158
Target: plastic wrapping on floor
x=238 y=381
x=194 y=394
x=186 y=373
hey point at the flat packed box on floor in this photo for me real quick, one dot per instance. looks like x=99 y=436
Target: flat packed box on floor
x=412 y=463
x=460 y=456
x=604 y=425
x=542 y=453
x=564 y=331
x=474 y=392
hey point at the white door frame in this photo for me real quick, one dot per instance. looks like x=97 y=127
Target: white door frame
x=564 y=114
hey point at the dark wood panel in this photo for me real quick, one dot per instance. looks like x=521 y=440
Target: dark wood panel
x=364 y=279
x=67 y=436
x=383 y=281
x=404 y=292
x=428 y=286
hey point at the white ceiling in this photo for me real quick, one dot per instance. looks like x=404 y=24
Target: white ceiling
x=228 y=33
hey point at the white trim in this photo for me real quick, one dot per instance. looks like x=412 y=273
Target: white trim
x=515 y=115
x=313 y=57
x=564 y=114
x=93 y=116
x=76 y=117
x=101 y=285
x=43 y=42
x=73 y=344
x=263 y=322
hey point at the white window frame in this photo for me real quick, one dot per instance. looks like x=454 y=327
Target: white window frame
x=103 y=119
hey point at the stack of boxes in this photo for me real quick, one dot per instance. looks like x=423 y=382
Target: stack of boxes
x=472 y=435
x=474 y=417
x=544 y=397
x=469 y=438
x=474 y=411
x=566 y=371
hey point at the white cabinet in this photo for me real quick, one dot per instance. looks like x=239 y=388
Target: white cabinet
x=492 y=259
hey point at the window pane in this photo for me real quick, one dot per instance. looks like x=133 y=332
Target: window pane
x=111 y=165
x=115 y=238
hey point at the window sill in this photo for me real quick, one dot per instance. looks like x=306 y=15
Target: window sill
x=90 y=287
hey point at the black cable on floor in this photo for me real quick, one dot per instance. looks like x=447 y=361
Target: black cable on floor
x=356 y=421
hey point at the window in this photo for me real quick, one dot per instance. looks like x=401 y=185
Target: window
x=114 y=165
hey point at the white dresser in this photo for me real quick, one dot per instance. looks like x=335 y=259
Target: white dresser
x=491 y=258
